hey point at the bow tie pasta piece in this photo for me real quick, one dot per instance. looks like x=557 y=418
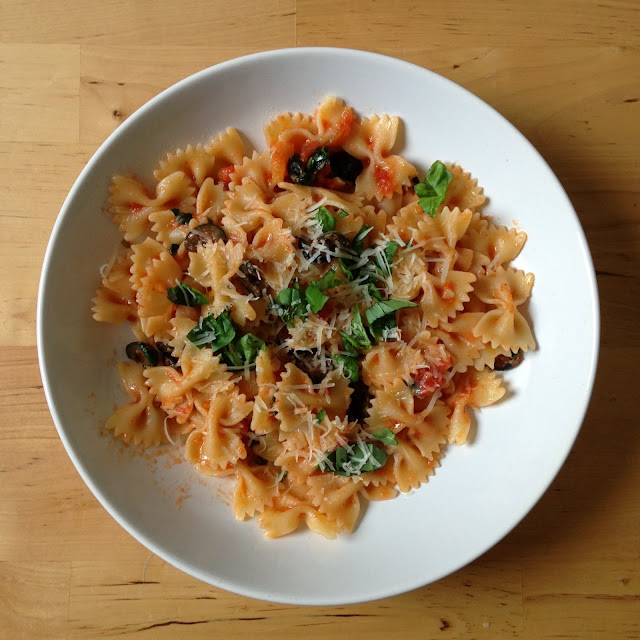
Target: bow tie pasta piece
x=504 y=326
x=138 y=421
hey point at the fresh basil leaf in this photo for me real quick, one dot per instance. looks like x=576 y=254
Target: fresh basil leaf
x=182 y=218
x=347 y=267
x=433 y=190
x=321 y=415
x=328 y=281
x=313 y=293
x=384 y=435
x=359 y=336
x=386 y=307
x=250 y=346
x=315 y=298
x=342 y=214
x=290 y=303
x=325 y=219
x=350 y=366
x=385 y=327
x=384 y=264
x=186 y=296
x=214 y=332
x=374 y=292
x=354 y=460
x=232 y=356
x=357 y=244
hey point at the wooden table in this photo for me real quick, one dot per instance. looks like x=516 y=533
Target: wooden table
x=565 y=72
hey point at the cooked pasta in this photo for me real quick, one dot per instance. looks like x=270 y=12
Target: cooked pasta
x=314 y=321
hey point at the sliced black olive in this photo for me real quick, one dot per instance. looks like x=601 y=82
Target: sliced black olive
x=142 y=352
x=207 y=232
x=318 y=160
x=252 y=280
x=346 y=166
x=359 y=402
x=506 y=362
x=328 y=244
x=173 y=249
x=297 y=170
x=165 y=353
x=303 y=360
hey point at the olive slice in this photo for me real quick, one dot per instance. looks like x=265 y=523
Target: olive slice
x=207 y=232
x=506 y=362
x=329 y=245
x=252 y=280
x=142 y=352
x=346 y=166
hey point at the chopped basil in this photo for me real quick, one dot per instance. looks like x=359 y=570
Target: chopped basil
x=358 y=339
x=385 y=436
x=374 y=292
x=182 y=218
x=384 y=265
x=244 y=351
x=186 y=296
x=325 y=219
x=357 y=245
x=321 y=415
x=342 y=214
x=214 y=332
x=350 y=366
x=354 y=459
x=290 y=303
x=386 y=307
x=221 y=334
x=432 y=191
x=385 y=327
x=315 y=298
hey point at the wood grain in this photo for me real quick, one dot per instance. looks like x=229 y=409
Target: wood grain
x=565 y=72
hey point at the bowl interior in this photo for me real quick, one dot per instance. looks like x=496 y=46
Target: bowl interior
x=481 y=490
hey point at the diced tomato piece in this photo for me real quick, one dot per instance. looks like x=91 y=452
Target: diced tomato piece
x=429 y=380
x=224 y=175
x=385 y=180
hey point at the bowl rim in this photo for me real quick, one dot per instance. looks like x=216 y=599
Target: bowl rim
x=82 y=468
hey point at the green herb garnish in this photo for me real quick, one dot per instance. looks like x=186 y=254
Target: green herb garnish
x=243 y=352
x=182 y=218
x=186 y=296
x=354 y=459
x=358 y=339
x=384 y=265
x=432 y=191
x=321 y=415
x=214 y=332
x=385 y=307
x=385 y=436
x=314 y=292
x=350 y=365
x=325 y=219
x=342 y=214
x=290 y=303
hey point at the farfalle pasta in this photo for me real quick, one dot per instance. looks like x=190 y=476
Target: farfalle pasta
x=316 y=322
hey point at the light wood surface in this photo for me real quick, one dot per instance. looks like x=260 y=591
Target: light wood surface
x=565 y=72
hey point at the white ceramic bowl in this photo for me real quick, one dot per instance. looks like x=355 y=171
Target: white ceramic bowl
x=481 y=490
